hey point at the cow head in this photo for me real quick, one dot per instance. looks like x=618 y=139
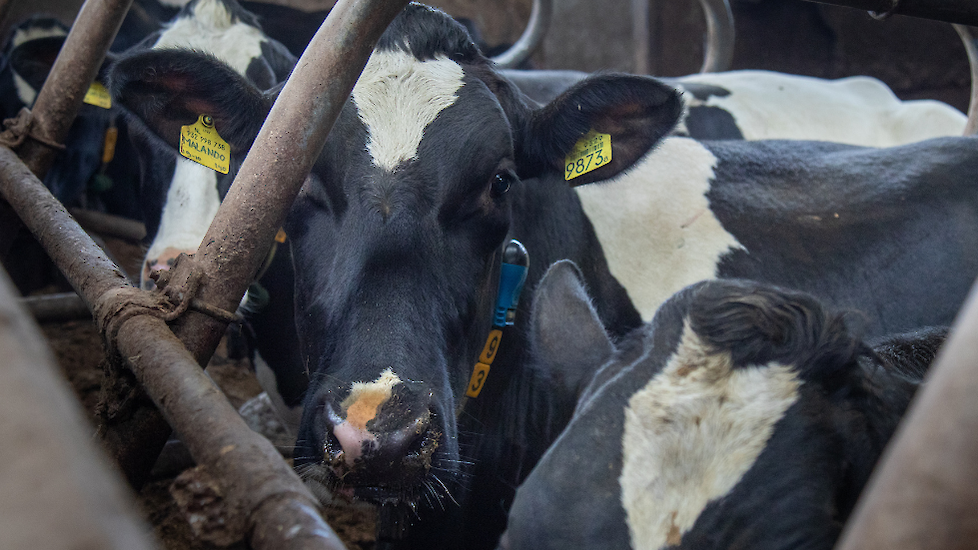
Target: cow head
x=433 y=163
x=179 y=196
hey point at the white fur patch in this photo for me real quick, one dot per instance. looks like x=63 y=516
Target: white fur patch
x=191 y=204
x=397 y=97
x=859 y=110
x=655 y=224
x=366 y=398
x=213 y=30
x=691 y=434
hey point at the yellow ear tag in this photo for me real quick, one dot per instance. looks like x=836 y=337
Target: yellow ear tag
x=590 y=153
x=200 y=143
x=98 y=96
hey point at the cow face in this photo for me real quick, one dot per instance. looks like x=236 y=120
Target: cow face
x=738 y=396
x=433 y=162
x=180 y=197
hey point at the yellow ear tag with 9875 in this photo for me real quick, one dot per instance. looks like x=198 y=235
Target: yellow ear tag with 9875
x=589 y=153
x=200 y=143
x=98 y=96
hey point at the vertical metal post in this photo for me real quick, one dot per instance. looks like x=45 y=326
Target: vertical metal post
x=641 y=36
x=924 y=492
x=971 y=47
x=81 y=56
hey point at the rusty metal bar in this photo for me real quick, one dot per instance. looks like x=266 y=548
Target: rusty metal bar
x=57 y=489
x=971 y=47
x=720 y=36
x=58 y=102
x=532 y=37
x=924 y=492
x=110 y=226
x=964 y=12
x=66 y=306
x=249 y=469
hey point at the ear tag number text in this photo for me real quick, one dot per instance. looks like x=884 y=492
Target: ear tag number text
x=200 y=143
x=590 y=153
x=98 y=96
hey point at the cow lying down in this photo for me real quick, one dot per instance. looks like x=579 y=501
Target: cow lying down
x=747 y=415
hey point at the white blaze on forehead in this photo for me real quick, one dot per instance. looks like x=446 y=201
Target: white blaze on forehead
x=691 y=434
x=191 y=204
x=397 y=97
x=366 y=398
x=655 y=224
x=213 y=30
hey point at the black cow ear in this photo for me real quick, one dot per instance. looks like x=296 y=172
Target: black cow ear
x=635 y=111
x=168 y=89
x=32 y=60
x=567 y=338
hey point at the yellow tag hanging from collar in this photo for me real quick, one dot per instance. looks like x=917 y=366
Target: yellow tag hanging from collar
x=200 y=143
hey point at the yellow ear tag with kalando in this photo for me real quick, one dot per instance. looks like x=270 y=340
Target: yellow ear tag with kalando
x=200 y=143
x=98 y=96
x=589 y=153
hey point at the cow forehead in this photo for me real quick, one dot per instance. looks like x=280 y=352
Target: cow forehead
x=692 y=433
x=397 y=97
x=214 y=29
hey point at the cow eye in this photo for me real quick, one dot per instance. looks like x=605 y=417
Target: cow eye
x=501 y=183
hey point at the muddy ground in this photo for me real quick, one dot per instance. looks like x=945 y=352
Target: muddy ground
x=79 y=351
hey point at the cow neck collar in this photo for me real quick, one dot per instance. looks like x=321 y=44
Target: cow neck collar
x=512 y=276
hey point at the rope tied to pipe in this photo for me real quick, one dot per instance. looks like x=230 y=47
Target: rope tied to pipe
x=118 y=305
x=18 y=129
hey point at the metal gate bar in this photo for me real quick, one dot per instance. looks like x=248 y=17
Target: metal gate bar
x=964 y=12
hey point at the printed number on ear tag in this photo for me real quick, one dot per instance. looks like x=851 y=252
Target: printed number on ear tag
x=200 y=143
x=478 y=379
x=98 y=96
x=590 y=153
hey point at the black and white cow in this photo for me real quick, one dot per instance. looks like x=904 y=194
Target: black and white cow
x=753 y=105
x=180 y=197
x=436 y=160
x=742 y=416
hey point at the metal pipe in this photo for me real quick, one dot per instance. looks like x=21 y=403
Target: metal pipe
x=971 y=47
x=530 y=40
x=57 y=488
x=66 y=306
x=58 y=102
x=924 y=491
x=641 y=36
x=281 y=511
x=720 y=36
x=109 y=225
x=249 y=469
x=964 y=12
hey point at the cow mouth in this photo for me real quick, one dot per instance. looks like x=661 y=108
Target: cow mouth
x=409 y=482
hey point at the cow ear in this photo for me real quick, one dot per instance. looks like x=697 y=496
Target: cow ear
x=168 y=89
x=635 y=111
x=567 y=338
x=32 y=60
